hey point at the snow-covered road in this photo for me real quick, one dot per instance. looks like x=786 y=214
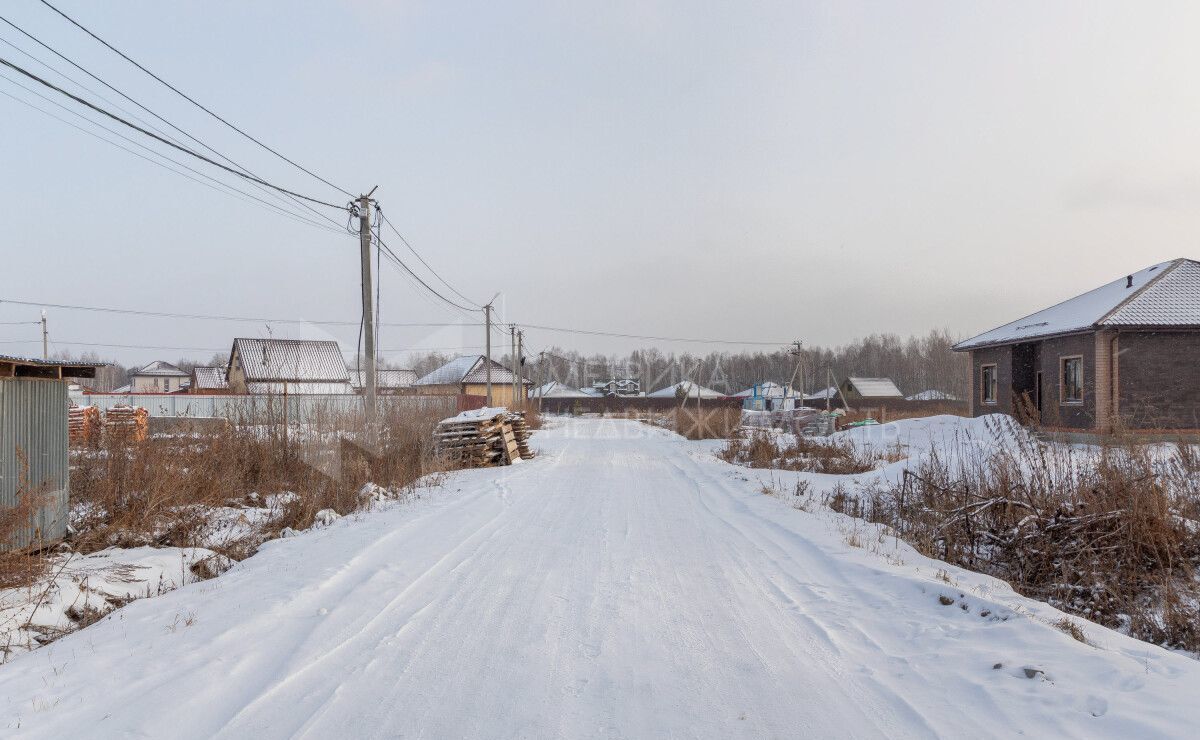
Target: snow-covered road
x=623 y=584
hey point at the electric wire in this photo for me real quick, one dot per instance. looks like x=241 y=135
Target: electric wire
x=162 y=139
x=186 y=97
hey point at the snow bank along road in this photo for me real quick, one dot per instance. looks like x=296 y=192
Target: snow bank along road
x=624 y=584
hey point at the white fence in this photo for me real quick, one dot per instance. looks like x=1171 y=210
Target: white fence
x=300 y=408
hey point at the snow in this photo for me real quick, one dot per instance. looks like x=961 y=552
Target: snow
x=94 y=583
x=931 y=395
x=625 y=583
x=487 y=412
x=691 y=388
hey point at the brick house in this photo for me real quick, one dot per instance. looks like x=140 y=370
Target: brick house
x=1125 y=355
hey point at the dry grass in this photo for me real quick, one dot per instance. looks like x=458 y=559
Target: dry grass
x=1109 y=534
x=761 y=449
x=161 y=491
x=721 y=423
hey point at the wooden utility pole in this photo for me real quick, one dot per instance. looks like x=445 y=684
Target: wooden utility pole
x=45 y=338
x=541 y=390
x=487 y=321
x=512 y=353
x=520 y=367
x=364 y=243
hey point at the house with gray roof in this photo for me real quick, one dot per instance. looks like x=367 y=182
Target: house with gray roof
x=207 y=379
x=468 y=375
x=292 y=366
x=157 y=377
x=869 y=389
x=1125 y=355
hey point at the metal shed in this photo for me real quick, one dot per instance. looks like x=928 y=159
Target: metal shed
x=34 y=460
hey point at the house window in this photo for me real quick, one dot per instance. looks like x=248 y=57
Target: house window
x=1072 y=380
x=988 y=389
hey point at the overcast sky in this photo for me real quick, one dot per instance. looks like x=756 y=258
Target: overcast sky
x=744 y=171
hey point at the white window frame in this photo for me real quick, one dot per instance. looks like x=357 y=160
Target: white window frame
x=1062 y=381
x=983 y=384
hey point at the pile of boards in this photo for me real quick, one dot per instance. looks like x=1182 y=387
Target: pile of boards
x=83 y=425
x=484 y=438
x=128 y=422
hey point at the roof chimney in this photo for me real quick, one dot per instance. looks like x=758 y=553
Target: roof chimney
x=1129 y=281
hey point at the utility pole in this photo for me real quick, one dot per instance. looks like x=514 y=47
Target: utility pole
x=798 y=371
x=487 y=372
x=364 y=243
x=45 y=338
x=541 y=390
x=520 y=366
x=512 y=353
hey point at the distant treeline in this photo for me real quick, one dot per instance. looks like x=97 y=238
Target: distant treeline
x=916 y=364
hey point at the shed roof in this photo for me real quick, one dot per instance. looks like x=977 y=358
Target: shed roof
x=33 y=367
x=875 y=387
x=158 y=368
x=1166 y=294
x=830 y=392
x=691 y=388
x=389 y=378
x=305 y=360
x=209 y=378
x=468 y=369
x=766 y=389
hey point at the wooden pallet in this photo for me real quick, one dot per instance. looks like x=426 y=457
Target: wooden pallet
x=501 y=439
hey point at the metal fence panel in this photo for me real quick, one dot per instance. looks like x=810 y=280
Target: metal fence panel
x=34 y=457
x=300 y=408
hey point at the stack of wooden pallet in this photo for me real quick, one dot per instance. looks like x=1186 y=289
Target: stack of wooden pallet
x=482 y=439
x=516 y=419
x=127 y=422
x=83 y=426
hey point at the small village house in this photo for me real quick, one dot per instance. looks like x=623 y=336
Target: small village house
x=387 y=381
x=685 y=388
x=1124 y=355
x=157 y=377
x=767 y=396
x=34 y=461
x=208 y=380
x=468 y=375
x=869 y=389
x=287 y=366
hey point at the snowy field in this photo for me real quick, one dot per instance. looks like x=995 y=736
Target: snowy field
x=624 y=584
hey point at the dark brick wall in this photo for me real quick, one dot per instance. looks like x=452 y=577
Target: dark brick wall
x=1001 y=357
x=1158 y=379
x=1069 y=416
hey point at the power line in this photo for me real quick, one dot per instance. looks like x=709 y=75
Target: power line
x=103 y=345
x=423 y=262
x=161 y=139
x=79 y=67
x=218 y=186
x=219 y=317
x=192 y=101
x=395 y=259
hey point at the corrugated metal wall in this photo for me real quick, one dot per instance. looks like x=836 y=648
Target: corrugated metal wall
x=300 y=407
x=33 y=425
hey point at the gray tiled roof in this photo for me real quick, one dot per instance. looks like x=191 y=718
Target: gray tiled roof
x=1171 y=300
x=467 y=369
x=1166 y=294
x=158 y=368
x=291 y=359
x=212 y=378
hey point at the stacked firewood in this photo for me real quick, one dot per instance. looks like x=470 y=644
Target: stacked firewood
x=83 y=426
x=127 y=422
x=483 y=439
x=516 y=419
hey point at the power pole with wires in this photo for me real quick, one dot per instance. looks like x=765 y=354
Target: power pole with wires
x=520 y=367
x=45 y=338
x=487 y=342
x=364 y=242
x=512 y=386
